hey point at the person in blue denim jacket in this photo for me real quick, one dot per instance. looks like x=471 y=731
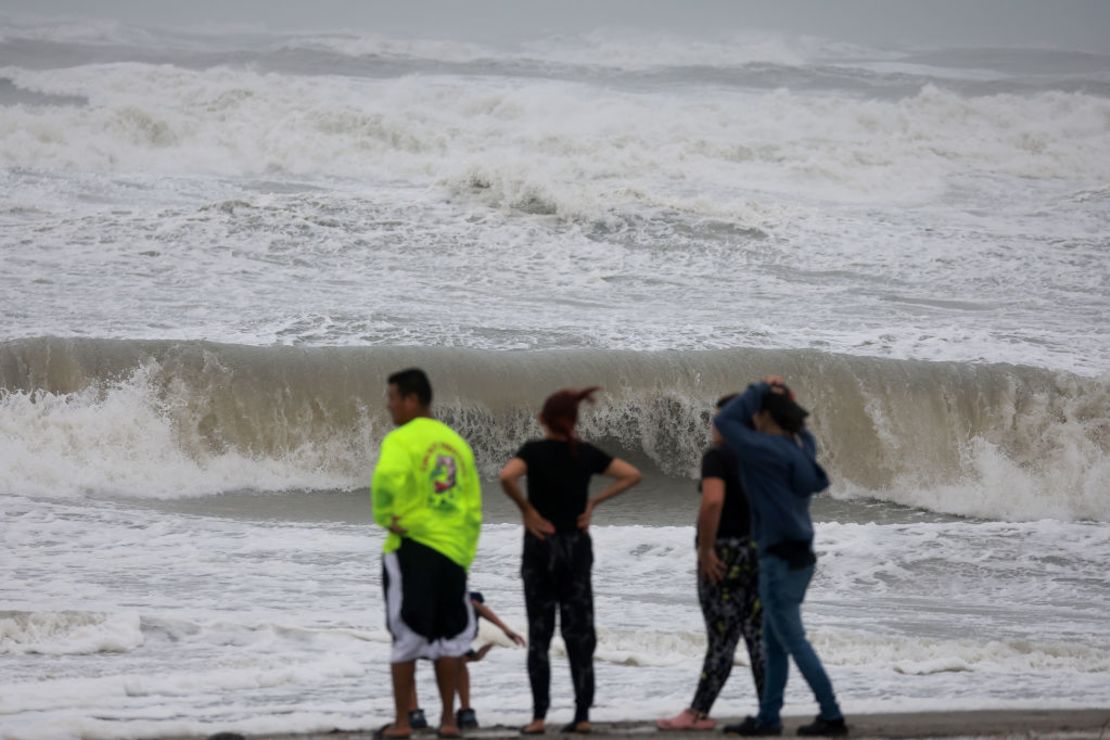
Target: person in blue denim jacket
x=765 y=426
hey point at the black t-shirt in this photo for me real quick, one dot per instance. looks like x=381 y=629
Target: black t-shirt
x=720 y=462
x=559 y=481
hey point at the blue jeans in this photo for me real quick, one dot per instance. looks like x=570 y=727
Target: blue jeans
x=782 y=591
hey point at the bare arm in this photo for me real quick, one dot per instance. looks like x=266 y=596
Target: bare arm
x=488 y=614
x=709 y=520
x=510 y=477
x=625 y=476
x=478 y=654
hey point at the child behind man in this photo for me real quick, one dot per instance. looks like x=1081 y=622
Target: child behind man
x=466 y=717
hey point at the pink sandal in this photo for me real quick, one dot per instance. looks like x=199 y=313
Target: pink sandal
x=687 y=719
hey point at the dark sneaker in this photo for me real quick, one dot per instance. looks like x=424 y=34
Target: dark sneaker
x=750 y=728
x=417 y=720
x=824 y=728
x=466 y=719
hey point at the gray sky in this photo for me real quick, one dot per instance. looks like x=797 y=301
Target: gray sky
x=1072 y=24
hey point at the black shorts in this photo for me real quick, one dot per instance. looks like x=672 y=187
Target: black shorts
x=427 y=607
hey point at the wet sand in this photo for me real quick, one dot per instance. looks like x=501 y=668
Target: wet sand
x=1074 y=724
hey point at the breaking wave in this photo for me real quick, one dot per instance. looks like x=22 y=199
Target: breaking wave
x=549 y=142
x=171 y=419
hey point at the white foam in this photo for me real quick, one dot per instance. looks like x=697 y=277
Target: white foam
x=1071 y=484
x=91 y=693
x=69 y=633
x=379 y=45
x=962 y=227
x=1036 y=453
x=247 y=626
x=219 y=121
x=645 y=50
x=959 y=227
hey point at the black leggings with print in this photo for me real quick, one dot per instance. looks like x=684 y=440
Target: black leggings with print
x=556 y=573
x=732 y=610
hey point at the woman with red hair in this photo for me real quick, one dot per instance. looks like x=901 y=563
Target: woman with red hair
x=558 y=554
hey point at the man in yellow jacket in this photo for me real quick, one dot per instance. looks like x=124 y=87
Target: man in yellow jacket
x=426 y=492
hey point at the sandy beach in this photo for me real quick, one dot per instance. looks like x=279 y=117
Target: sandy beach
x=1044 y=723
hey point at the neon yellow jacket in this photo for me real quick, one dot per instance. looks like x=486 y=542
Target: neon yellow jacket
x=426 y=477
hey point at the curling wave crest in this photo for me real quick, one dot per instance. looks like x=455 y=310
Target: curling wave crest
x=168 y=419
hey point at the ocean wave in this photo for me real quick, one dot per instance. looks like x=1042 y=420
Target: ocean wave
x=247 y=623
x=609 y=48
x=908 y=655
x=69 y=632
x=89 y=692
x=83 y=633
x=583 y=149
x=102 y=32
x=612 y=47
x=112 y=416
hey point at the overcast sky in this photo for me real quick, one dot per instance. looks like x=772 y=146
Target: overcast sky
x=1073 y=24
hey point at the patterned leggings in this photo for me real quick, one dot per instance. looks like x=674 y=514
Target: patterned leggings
x=556 y=572
x=731 y=609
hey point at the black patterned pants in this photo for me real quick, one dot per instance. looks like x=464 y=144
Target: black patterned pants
x=557 y=574
x=732 y=610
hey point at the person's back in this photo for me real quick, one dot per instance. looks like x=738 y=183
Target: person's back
x=425 y=491
x=426 y=477
x=559 y=478
x=779 y=469
x=780 y=473
x=558 y=553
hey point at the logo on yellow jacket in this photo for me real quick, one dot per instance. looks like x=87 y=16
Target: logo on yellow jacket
x=443 y=475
